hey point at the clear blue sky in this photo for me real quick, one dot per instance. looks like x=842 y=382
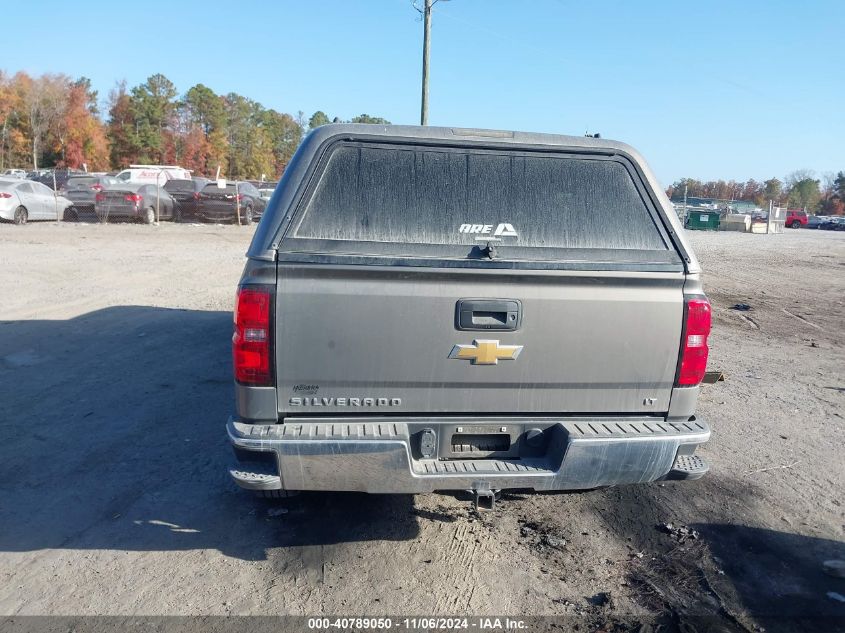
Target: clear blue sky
x=710 y=90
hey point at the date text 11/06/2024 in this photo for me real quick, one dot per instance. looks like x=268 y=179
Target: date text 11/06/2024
x=417 y=623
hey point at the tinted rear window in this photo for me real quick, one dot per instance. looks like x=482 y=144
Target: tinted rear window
x=74 y=183
x=463 y=197
x=179 y=185
x=230 y=188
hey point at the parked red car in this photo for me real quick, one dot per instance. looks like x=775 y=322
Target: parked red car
x=796 y=218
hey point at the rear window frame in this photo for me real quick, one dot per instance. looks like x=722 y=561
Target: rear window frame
x=298 y=249
x=191 y=184
x=94 y=180
x=229 y=188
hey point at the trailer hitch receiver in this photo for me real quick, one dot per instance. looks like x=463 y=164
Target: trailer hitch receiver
x=483 y=496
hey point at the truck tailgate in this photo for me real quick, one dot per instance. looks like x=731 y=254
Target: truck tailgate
x=378 y=340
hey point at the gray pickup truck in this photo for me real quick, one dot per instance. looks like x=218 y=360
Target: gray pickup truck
x=429 y=309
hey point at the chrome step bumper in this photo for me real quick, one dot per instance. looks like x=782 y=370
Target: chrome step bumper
x=377 y=457
x=687 y=468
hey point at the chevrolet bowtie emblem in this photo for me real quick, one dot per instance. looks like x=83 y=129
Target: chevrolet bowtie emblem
x=485 y=352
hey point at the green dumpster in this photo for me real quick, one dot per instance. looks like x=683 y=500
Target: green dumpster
x=703 y=220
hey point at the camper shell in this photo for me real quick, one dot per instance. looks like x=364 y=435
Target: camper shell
x=445 y=308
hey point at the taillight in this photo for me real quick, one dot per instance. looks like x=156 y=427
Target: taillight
x=3 y=194
x=133 y=197
x=694 y=351
x=251 y=340
x=196 y=195
x=99 y=197
x=240 y=197
x=96 y=187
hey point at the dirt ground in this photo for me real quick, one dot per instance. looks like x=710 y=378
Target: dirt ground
x=115 y=385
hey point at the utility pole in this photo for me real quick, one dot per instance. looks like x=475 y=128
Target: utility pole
x=769 y=217
x=55 y=194
x=158 y=197
x=426 y=11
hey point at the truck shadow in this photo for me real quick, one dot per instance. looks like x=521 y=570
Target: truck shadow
x=112 y=437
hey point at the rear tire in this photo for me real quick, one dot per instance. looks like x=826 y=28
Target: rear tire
x=21 y=216
x=71 y=215
x=248 y=216
x=177 y=214
x=149 y=215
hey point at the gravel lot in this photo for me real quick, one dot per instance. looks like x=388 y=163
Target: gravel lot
x=115 y=385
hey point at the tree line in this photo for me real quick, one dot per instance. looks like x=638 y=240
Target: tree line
x=799 y=189
x=55 y=121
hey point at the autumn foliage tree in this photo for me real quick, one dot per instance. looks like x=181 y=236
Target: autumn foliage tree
x=82 y=134
x=833 y=201
x=125 y=145
x=50 y=120
x=54 y=120
x=202 y=122
x=13 y=142
x=44 y=104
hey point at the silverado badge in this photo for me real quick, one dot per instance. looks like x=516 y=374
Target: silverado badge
x=485 y=352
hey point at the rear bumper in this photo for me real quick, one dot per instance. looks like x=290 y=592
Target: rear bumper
x=84 y=210
x=117 y=211
x=221 y=212
x=381 y=457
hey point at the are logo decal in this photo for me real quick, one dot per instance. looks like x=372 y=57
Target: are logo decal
x=484 y=231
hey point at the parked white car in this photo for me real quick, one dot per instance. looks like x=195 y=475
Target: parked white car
x=25 y=200
x=14 y=173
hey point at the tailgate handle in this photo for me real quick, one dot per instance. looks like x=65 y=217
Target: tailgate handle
x=488 y=314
